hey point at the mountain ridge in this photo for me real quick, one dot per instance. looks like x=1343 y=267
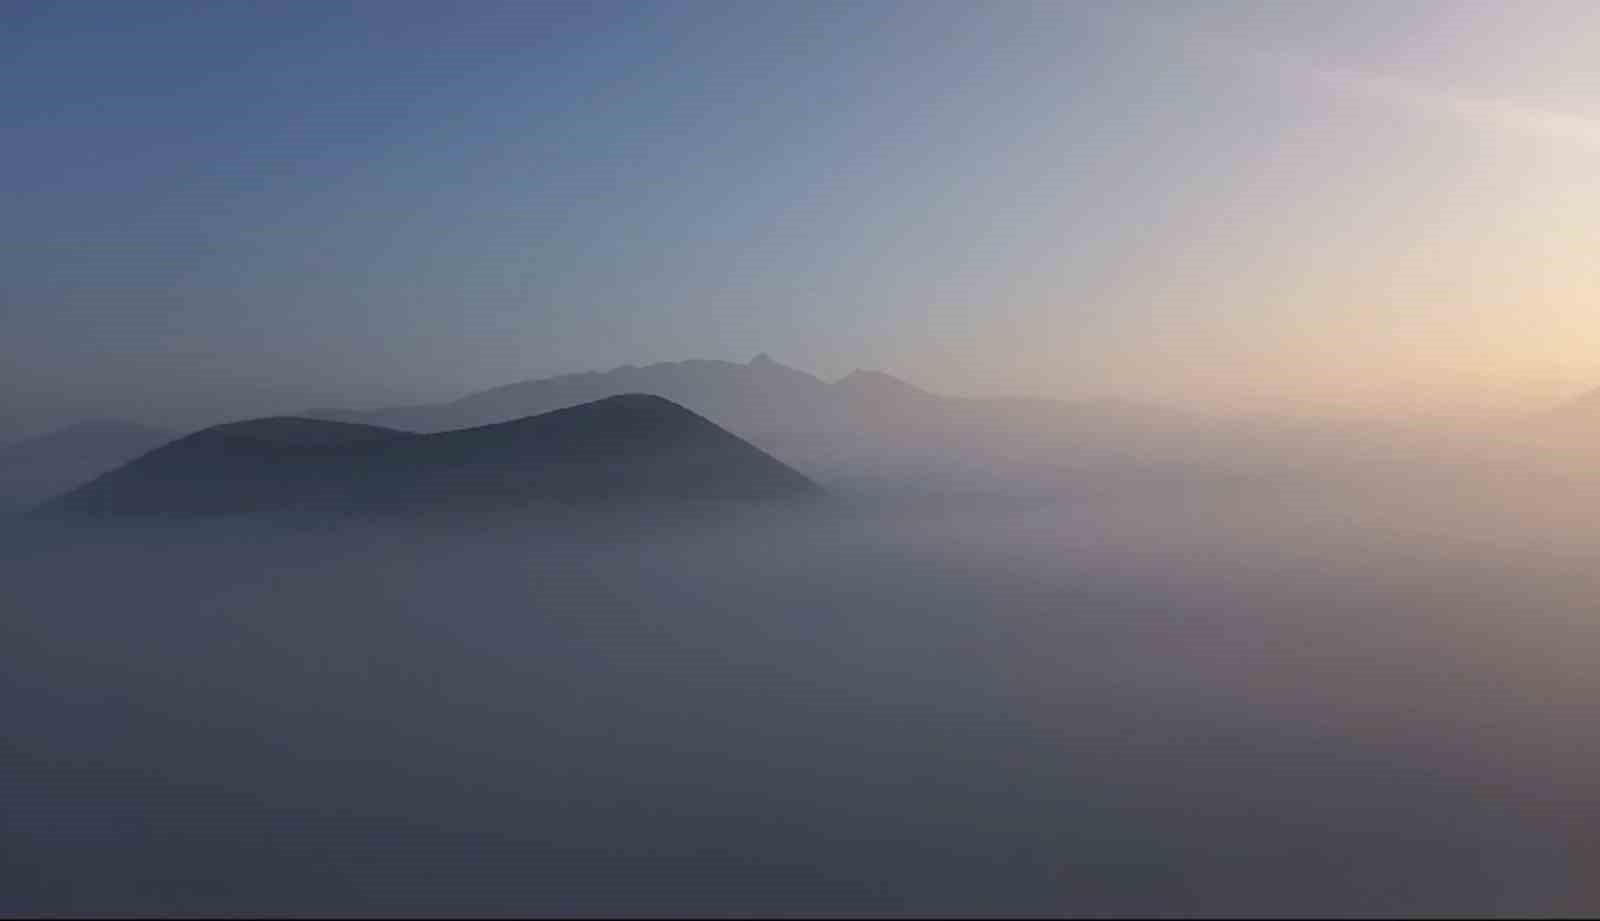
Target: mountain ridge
x=629 y=448
x=866 y=427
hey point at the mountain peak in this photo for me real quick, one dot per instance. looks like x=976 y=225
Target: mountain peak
x=772 y=370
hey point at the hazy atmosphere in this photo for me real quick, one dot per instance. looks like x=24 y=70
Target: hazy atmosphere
x=238 y=208
x=775 y=459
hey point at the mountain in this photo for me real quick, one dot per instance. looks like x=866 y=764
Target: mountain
x=873 y=432
x=722 y=391
x=621 y=450
x=37 y=468
x=868 y=427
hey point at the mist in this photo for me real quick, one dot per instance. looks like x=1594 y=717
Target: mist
x=769 y=459
x=1319 y=698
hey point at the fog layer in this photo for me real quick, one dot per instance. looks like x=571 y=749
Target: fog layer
x=1260 y=698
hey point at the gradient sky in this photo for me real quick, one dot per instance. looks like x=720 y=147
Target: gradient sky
x=238 y=208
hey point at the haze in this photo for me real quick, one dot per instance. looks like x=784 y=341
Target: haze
x=534 y=459
x=229 y=209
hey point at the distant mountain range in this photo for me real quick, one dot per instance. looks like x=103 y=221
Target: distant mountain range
x=866 y=426
x=870 y=429
x=760 y=398
x=625 y=449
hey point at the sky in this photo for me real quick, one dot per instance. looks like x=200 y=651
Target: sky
x=238 y=208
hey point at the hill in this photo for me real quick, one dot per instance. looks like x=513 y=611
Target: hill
x=626 y=449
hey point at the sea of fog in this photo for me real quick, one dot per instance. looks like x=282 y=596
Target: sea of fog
x=1243 y=699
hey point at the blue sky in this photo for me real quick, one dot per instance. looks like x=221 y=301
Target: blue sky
x=244 y=207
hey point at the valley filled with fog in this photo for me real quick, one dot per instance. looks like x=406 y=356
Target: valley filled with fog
x=1303 y=694
x=678 y=459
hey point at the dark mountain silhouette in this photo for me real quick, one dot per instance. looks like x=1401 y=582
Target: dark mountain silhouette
x=625 y=449
x=37 y=468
